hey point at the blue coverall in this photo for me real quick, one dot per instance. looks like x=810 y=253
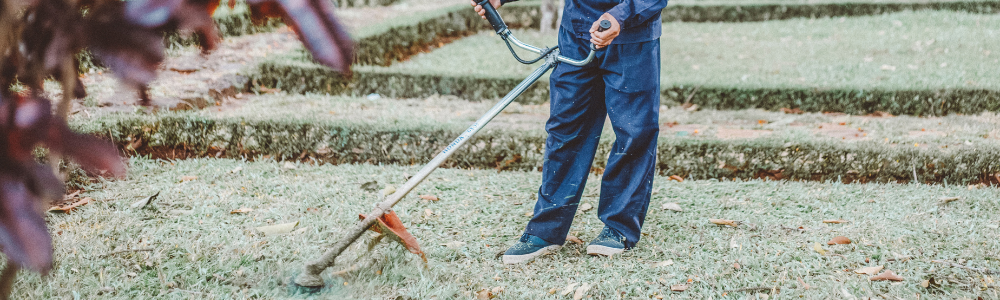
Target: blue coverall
x=622 y=83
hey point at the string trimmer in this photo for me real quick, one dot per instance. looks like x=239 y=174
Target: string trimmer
x=309 y=280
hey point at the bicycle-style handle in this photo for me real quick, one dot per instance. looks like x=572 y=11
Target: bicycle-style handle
x=493 y=16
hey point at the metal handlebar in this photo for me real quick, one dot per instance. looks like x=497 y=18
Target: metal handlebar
x=501 y=29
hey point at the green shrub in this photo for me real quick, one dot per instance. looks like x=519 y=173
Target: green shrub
x=345 y=142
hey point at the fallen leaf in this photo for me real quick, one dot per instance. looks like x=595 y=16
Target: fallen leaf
x=370 y=186
x=819 y=249
x=803 y=284
x=241 y=210
x=454 y=244
x=838 y=221
x=581 y=291
x=236 y=170
x=672 y=206
x=574 y=239
x=553 y=291
x=585 y=207
x=496 y=290
x=67 y=206
x=289 y=166
x=930 y=283
x=678 y=287
x=949 y=199
x=869 y=270
x=428 y=212
x=736 y=266
x=724 y=222
x=429 y=197
x=388 y=190
x=484 y=294
x=277 y=229
x=145 y=201
x=795 y=111
x=839 y=240
x=663 y=263
x=188 y=178
x=887 y=275
x=568 y=289
x=529 y=214
x=676 y=178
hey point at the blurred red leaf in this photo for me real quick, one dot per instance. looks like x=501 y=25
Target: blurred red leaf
x=317 y=27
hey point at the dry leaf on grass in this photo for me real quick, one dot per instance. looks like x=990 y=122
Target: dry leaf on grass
x=869 y=270
x=388 y=190
x=887 y=275
x=428 y=212
x=678 y=287
x=581 y=291
x=930 y=283
x=663 y=263
x=67 y=206
x=676 y=178
x=585 y=207
x=736 y=266
x=574 y=239
x=724 y=222
x=672 y=206
x=819 y=249
x=838 y=221
x=370 y=186
x=568 y=289
x=188 y=178
x=278 y=228
x=289 y=166
x=145 y=201
x=949 y=199
x=454 y=244
x=429 y=197
x=803 y=284
x=839 y=240
x=241 y=210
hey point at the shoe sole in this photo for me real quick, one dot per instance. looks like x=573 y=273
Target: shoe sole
x=517 y=259
x=603 y=250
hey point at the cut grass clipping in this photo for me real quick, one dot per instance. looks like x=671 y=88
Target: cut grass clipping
x=187 y=243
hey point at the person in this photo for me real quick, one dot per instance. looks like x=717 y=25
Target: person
x=621 y=83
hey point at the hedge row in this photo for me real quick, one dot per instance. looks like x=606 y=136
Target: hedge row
x=360 y=3
x=756 y=12
x=294 y=76
x=339 y=143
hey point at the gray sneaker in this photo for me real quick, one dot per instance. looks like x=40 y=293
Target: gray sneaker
x=608 y=243
x=527 y=248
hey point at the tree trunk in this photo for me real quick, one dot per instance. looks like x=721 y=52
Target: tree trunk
x=550 y=13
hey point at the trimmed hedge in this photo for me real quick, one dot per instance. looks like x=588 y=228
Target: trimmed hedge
x=294 y=76
x=342 y=142
x=383 y=44
x=756 y=12
x=360 y=3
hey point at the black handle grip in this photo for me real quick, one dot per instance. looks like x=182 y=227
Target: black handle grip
x=604 y=25
x=493 y=16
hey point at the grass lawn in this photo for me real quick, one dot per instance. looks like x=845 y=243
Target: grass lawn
x=900 y=51
x=195 y=248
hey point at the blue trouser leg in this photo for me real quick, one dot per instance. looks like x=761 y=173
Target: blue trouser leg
x=632 y=95
x=623 y=84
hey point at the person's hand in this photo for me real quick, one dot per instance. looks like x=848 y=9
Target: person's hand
x=479 y=8
x=604 y=38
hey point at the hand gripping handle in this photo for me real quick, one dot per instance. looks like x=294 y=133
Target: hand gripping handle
x=494 y=17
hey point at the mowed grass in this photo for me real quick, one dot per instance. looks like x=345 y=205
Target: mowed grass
x=901 y=51
x=198 y=249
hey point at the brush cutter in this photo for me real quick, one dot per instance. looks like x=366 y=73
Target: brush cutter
x=309 y=280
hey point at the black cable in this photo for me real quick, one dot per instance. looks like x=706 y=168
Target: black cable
x=527 y=62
